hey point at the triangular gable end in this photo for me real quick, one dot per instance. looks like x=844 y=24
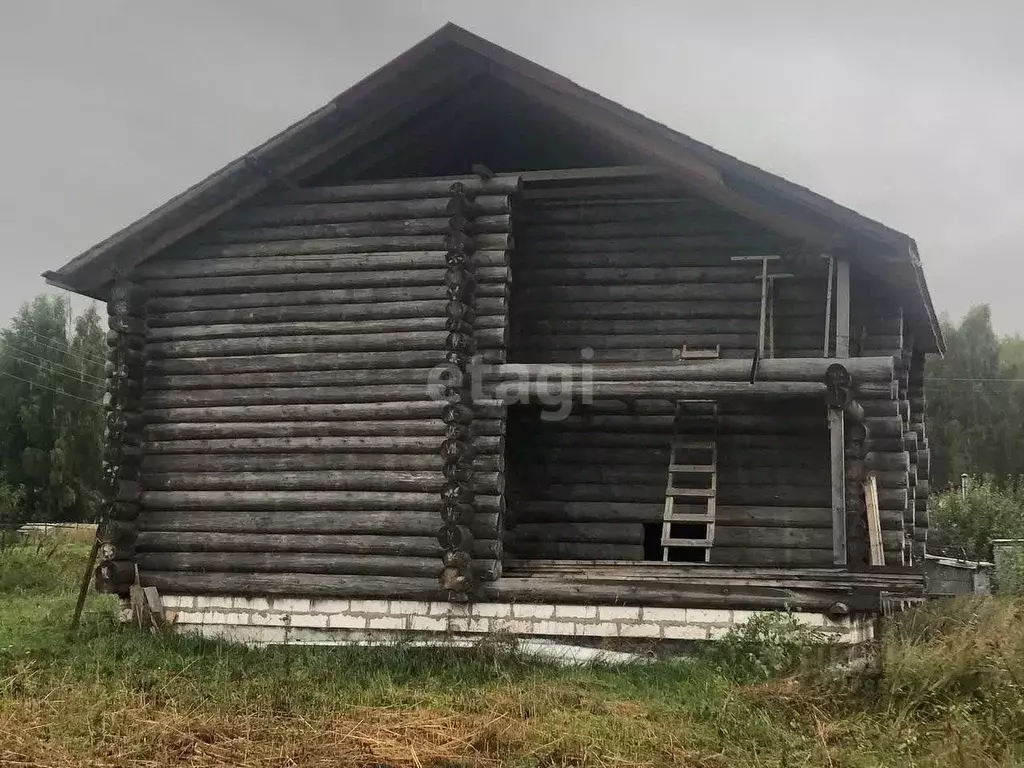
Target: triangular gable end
x=454 y=76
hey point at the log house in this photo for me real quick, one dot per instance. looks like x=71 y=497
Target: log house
x=472 y=342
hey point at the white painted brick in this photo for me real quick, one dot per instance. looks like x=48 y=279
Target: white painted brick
x=214 y=602
x=189 y=617
x=270 y=618
x=639 y=630
x=330 y=606
x=250 y=604
x=575 y=612
x=219 y=617
x=376 y=607
x=708 y=616
x=178 y=601
x=440 y=609
x=513 y=626
x=532 y=611
x=555 y=628
x=599 y=629
x=309 y=620
x=290 y=604
x=618 y=613
x=469 y=624
x=386 y=622
x=684 y=632
x=742 y=617
x=427 y=624
x=408 y=607
x=492 y=610
x=346 y=621
x=716 y=632
x=664 y=615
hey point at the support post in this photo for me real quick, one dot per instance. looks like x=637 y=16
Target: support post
x=842 y=309
x=837 y=443
x=828 y=302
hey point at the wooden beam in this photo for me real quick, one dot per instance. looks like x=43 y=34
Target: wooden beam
x=836 y=440
x=842 y=308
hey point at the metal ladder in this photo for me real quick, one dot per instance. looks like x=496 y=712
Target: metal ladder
x=695 y=458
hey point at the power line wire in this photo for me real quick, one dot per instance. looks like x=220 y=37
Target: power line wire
x=70 y=371
x=51 y=389
x=60 y=346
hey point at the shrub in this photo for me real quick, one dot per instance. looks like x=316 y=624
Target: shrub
x=766 y=646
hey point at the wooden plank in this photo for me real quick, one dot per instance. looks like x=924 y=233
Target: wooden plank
x=874 y=522
x=837 y=452
x=842 y=308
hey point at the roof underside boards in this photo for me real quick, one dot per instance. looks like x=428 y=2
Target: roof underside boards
x=454 y=99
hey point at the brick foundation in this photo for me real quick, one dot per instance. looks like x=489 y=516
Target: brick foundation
x=270 y=621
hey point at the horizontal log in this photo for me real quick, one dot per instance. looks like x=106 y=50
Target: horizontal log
x=300 y=281
x=270 y=345
x=655 y=292
x=383 y=228
x=764 y=495
x=782 y=537
x=285 y=461
x=572 y=550
x=346 y=479
x=737 y=457
x=368 y=399
x=244 y=330
x=515 y=391
x=774 y=370
x=411 y=522
x=309 y=500
x=162 y=304
x=767 y=556
x=596 y=533
x=405 y=189
x=272 y=265
x=221 y=430
x=275 y=381
x=654 y=475
x=273 y=584
x=354 y=544
x=539 y=325
x=378 y=210
x=321 y=361
x=653 y=338
x=342 y=444
x=887 y=461
x=385 y=310
x=529 y=511
x=727 y=273
x=342 y=245
x=276 y=562
x=421 y=409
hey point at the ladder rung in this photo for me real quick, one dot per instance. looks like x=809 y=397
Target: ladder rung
x=694 y=468
x=706 y=445
x=700 y=492
x=698 y=543
x=688 y=517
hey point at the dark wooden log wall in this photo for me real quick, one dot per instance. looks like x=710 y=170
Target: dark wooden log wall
x=897 y=442
x=289 y=425
x=636 y=276
x=592 y=486
x=617 y=275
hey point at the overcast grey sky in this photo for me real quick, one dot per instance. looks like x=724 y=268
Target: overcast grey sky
x=910 y=113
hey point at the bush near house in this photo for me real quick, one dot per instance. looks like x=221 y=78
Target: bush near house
x=949 y=692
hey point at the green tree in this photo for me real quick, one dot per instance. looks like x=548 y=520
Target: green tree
x=51 y=415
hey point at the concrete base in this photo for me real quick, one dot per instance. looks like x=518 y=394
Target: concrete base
x=274 y=621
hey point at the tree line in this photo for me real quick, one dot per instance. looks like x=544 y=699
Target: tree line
x=975 y=397
x=52 y=423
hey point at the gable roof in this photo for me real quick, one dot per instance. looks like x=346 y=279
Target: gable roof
x=452 y=56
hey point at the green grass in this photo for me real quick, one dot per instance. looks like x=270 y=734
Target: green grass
x=950 y=693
